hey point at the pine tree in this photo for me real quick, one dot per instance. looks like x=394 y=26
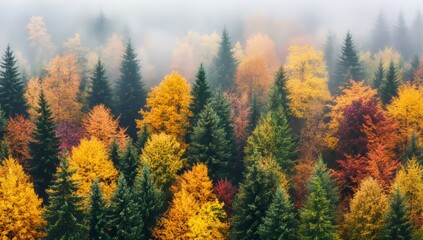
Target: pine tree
x=401 y=38
x=123 y=218
x=278 y=93
x=12 y=89
x=252 y=201
x=150 y=201
x=129 y=164
x=200 y=97
x=280 y=221
x=390 y=87
x=64 y=213
x=380 y=34
x=97 y=214
x=317 y=216
x=130 y=90
x=413 y=149
x=398 y=224
x=224 y=65
x=100 y=92
x=379 y=77
x=210 y=146
x=330 y=58
x=348 y=65
x=44 y=150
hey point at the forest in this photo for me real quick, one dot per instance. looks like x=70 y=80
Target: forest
x=238 y=140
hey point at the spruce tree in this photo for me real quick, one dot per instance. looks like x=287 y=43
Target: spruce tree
x=279 y=93
x=64 y=213
x=398 y=224
x=390 y=87
x=143 y=136
x=348 y=65
x=130 y=91
x=129 y=164
x=401 y=38
x=379 y=77
x=150 y=201
x=330 y=58
x=254 y=197
x=123 y=218
x=44 y=149
x=380 y=34
x=12 y=89
x=100 y=92
x=115 y=155
x=255 y=113
x=280 y=221
x=210 y=146
x=97 y=214
x=417 y=33
x=413 y=149
x=224 y=65
x=317 y=215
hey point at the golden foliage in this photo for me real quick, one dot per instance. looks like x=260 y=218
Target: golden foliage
x=163 y=155
x=195 y=212
x=168 y=107
x=61 y=88
x=253 y=75
x=99 y=123
x=32 y=94
x=307 y=79
x=90 y=160
x=262 y=45
x=21 y=214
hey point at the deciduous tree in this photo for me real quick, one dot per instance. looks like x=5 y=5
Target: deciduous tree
x=18 y=136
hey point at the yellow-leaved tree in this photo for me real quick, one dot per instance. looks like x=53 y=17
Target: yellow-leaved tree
x=163 y=155
x=90 y=160
x=61 y=88
x=99 y=123
x=253 y=76
x=195 y=212
x=21 y=214
x=32 y=94
x=409 y=181
x=307 y=79
x=168 y=107
x=367 y=210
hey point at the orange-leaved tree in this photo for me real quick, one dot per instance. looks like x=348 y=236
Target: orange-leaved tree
x=18 y=136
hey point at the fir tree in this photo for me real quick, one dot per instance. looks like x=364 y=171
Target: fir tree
x=44 y=149
x=124 y=220
x=391 y=85
x=100 y=92
x=252 y=201
x=224 y=65
x=379 y=77
x=417 y=33
x=97 y=214
x=12 y=89
x=255 y=112
x=279 y=93
x=348 y=65
x=143 y=136
x=413 y=149
x=129 y=164
x=414 y=66
x=64 y=213
x=398 y=224
x=330 y=58
x=380 y=34
x=280 y=221
x=115 y=155
x=401 y=38
x=209 y=145
x=150 y=201
x=130 y=91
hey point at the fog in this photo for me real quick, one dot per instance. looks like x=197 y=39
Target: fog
x=156 y=27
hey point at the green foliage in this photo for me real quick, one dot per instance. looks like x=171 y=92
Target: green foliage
x=115 y=154
x=64 y=214
x=252 y=201
x=379 y=77
x=210 y=146
x=398 y=224
x=413 y=149
x=279 y=93
x=390 y=87
x=330 y=55
x=12 y=99
x=143 y=136
x=129 y=164
x=279 y=222
x=100 y=92
x=255 y=112
x=44 y=149
x=97 y=214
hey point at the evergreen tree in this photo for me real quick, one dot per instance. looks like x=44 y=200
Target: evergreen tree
x=150 y=201
x=279 y=92
x=348 y=65
x=254 y=197
x=391 y=85
x=143 y=136
x=44 y=149
x=129 y=164
x=124 y=220
x=64 y=213
x=97 y=214
x=398 y=224
x=12 y=89
x=401 y=38
x=255 y=112
x=379 y=77
x=380 y=34
x=413 y=149
x=130 y=90
x=317 y=215
x=210 y=146
x=280 y=221
x=100 y=92
x=409 y=76
x=224 y=65
x=330 y=58
x=115 y=155
x=417 y=33
x=3 y=123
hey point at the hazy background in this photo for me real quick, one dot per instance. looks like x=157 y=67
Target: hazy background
x=156 y=28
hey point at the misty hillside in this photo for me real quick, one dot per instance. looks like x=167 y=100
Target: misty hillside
x=211 y=119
